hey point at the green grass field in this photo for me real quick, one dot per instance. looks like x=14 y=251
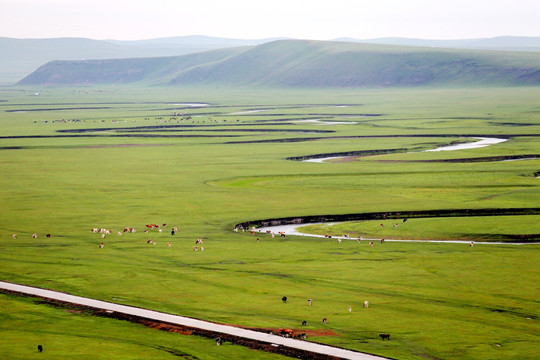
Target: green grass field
x=82 y=158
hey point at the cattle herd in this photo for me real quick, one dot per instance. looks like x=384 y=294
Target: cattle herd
x=104 y=232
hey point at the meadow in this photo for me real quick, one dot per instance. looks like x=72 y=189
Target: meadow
x=206 y=159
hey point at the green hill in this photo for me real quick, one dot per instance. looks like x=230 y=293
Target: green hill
x=302 y=63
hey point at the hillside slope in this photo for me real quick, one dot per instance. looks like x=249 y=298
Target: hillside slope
x=22 y=56
x=303 y=63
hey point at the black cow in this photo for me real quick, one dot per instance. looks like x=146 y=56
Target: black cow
x=40 y=348
x=284 y=299
x=384 y=336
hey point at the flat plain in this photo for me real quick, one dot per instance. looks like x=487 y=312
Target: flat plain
x=206 y=159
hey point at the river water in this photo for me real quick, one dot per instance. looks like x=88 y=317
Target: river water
x=482 y=142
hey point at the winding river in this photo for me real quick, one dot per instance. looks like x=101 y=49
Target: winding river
x=292 y=229
x=482 y=142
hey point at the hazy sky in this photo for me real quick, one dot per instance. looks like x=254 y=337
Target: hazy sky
x=256 y=19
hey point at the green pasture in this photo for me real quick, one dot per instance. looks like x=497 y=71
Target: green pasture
x=74 y=334
x=125 y=162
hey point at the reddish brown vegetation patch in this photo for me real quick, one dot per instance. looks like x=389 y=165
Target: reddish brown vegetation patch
x=166 y=327
x=295 y=332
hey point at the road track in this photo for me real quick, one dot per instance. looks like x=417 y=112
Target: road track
x=259 y=340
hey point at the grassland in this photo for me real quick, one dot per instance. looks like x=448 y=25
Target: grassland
x=128 y=161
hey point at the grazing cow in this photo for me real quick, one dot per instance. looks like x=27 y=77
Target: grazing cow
x=40 y=348
x=339 y=240
x=302 y=336
x=202 y=248
x=304 y=323
x=199 y=241
x=382 y=241
x=366 y=304
x=286 y=332
x=324 y=321
x=218 y=341
x=94 y=230
x=382 y=225
x=309 y=302
x=384 y=336
x=282 y=235
x=395 y=225
x=350 y=309
x=471 y=244
x=371 y=243
x=258 y=240
x=405 y=220
x=284 y=299
x=172 y=232
x=101 y=246
x=48 y=236
x=149 y=241
x=175 y=228
x=164 y=225
x=119 y=233
x=14 y=236
x=103 y=236
x=34 y=235
x=195 y=248
x=168 y=244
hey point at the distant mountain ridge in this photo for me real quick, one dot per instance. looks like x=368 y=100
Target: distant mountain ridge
x=502 y=43
x=304 y=63
x=22 y=56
